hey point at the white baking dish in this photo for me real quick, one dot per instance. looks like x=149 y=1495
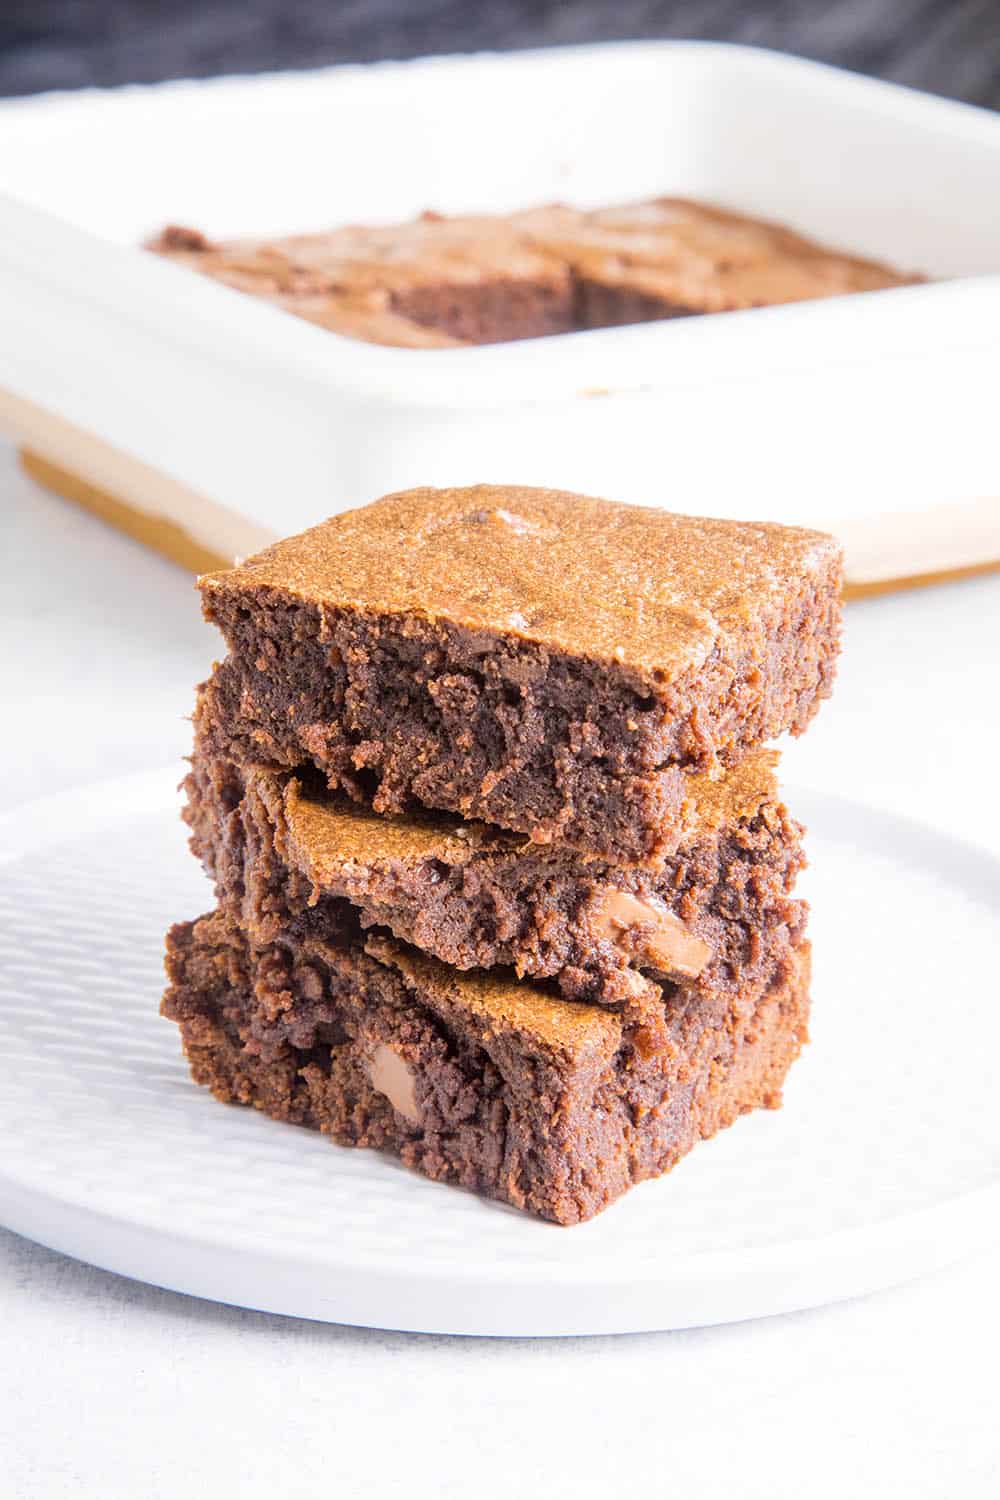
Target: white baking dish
x=239 y=421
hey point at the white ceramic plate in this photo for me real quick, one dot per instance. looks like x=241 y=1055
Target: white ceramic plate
x=884 y=1162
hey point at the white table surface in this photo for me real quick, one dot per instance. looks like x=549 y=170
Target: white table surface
x=109 y=1388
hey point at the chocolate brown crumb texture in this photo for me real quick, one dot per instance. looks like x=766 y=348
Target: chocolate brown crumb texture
x=719 y=916
x=446 y=282
x=472 y=1079
x=549 y=663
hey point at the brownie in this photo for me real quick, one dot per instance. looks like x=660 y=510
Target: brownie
x=442 y=282
x=719 y=915
x=671 y=256
x=545 y=662
x=435 y=282
x=553 y=1107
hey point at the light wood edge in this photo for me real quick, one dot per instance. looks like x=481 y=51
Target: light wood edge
x=162 y=536
x=172 y=541
x=143 y=501
x=917 y=580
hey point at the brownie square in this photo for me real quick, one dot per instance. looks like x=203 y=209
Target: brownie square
x=719 y=916
x=554 y=1107
x=546 y=662
x=434 y=282
x=668 y=257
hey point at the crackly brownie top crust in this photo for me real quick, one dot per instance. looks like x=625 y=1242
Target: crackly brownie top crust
x=330 y=836
x=649 y=590
x=495 y=998
x=432 y=249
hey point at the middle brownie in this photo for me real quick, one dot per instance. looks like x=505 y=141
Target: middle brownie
x=718 y=916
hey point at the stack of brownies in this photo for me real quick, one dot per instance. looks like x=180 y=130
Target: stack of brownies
x=504 y=880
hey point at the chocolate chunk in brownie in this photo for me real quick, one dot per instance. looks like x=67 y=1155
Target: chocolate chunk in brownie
x=719 y=916
x=446 y=282
x=554 y=1107
x=546 y=662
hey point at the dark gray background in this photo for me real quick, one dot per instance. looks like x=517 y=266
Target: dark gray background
x=949 y=46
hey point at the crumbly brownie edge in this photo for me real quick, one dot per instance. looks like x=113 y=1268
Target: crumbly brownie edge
x=560 y=1131
x=397 y=709
x=460 y=746
x=537 y=911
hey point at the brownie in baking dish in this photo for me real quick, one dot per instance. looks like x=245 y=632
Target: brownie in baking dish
x=545 y=662
x=553 y=1107
x=668 y=257
x=434 y=283
x=719 y=916
x=442 y=282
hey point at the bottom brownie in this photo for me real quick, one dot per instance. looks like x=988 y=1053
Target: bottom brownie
x=553 y=1106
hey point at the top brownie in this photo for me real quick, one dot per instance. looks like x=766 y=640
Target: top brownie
x=546 y=662
x=440 y=282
